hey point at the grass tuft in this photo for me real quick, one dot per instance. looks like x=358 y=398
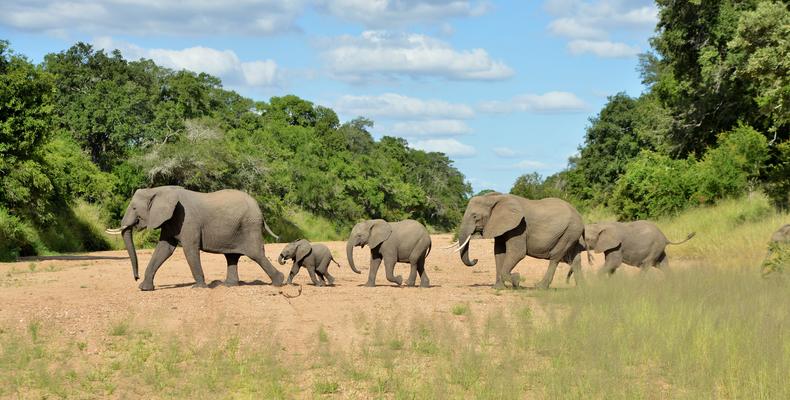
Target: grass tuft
x=461 y=309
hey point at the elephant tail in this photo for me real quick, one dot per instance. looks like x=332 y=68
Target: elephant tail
x=691 y=235
x=334 y=261
x=266 y=226
x=429 y=249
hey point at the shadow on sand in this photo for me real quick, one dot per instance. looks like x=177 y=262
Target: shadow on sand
x=70 y=258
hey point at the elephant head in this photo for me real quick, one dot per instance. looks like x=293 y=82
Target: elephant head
x=372 y=232
x=601 y=238
x=490 y=215
x=296 y=250
x=149 y=208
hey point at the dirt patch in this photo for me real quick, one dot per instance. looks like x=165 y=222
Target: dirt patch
x=83 y=297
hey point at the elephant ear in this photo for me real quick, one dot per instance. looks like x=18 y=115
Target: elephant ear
x=303 y=249
x=506 y=214
x=380 y=230
x=161 y=208
x=607 y=240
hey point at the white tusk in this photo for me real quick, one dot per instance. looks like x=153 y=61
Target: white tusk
x=453 y=244
x=116 y=231
x=462 y=246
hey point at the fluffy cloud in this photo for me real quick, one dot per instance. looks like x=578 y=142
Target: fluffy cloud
x=392 y=105
x=450 y=147
x=222 y=63
x=506 y=152
x=589 y=24
x=152 y=17
x=549 y=102
x=388 y=55
x=438 y=127
x=388 y=13
x=602 y=48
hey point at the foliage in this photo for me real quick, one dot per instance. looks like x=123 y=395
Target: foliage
x=778 y=259
x=533 y=186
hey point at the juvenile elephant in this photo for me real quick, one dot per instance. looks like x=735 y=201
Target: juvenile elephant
x=314 y=257
x=637 y=243
x=392 y=242
x=548 y=229
x=227 y=222
x=778 y=257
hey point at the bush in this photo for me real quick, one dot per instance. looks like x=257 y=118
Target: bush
x=653 y=185
x=16 y=237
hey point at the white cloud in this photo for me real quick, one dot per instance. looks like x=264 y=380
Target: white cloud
x=602 y=48
x=152 y=17
x=450 y=147
x=590 y=24
x=437 y=127
x=392 y=105
x=388 y=55
x=389 y=13
x=523 y=165
x=506 y=152
x=549 y=102
x=222 y=63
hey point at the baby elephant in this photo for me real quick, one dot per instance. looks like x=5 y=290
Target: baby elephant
x=314 y=257
x=638 y=243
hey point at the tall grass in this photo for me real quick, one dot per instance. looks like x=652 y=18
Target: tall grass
x=734 y=233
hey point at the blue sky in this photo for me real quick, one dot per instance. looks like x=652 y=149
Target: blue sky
x=502 y=87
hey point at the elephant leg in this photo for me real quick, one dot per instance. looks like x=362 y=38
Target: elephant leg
x=663 y=264
x=549 y=276
x=164 y=249
x=613 y=259
x=192 y=254
x=389 y=268
x=323 y=268
x=424 y=281
x=499 y=258
x=412 y=280
x=316 y=281
x=509 y=262
x=292 y=274
x=576 y=269
x=276 y=276
x=233 y=269
x=374 y=269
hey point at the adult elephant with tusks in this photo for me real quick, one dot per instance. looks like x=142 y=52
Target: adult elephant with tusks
x=392 y=242
x=549 y=229
x=225 y=222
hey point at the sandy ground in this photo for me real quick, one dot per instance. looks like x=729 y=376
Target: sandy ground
x=84 y=297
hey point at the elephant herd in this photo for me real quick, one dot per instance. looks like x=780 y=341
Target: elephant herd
x=230 y=222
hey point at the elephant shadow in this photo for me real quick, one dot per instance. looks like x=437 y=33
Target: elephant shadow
x=403 y=286
x=520 y=287
x=66 y=257
x=214 y=284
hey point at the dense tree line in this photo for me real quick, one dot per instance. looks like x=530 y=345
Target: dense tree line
x=87 y=128
x=714 y=120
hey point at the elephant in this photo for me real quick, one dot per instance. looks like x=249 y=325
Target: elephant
x=638 y=243
x=548 y=229
x=392 y=242
x=314 y=257
x=227 y=221
x=778 y=257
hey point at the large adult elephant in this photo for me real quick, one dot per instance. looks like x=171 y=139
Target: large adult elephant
x=225 y=222
x=392 y=242
x=549 y=229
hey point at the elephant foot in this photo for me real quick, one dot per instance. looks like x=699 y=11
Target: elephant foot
x=515 y=280
x=499 y=286
x=330 y=282
x=425 y=284
x=370 y=284
x=230 y=283
x=319 y=284
x=542 y=285
x=278 y=279
x=146 y=286
x=411 y=283
x=397 y=280
x=199 y=285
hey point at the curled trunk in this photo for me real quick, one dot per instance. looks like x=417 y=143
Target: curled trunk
x=463 y=237
x=281 y=260
x=350 y=256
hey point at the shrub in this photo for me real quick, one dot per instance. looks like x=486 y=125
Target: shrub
x=653 y=185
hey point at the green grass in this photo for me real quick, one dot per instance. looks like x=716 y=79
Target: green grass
x=139 y=364
x=461 y=309
x=315 y=228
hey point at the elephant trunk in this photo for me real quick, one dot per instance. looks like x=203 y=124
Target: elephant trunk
x=281 y=260
x=128 y=223
x=464 y=237
x=350 y=256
